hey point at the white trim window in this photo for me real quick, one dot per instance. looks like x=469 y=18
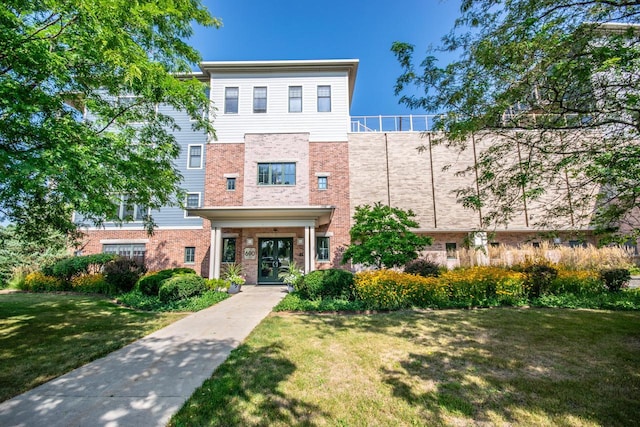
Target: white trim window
x=276 y=174
x=192 y=201
x=322 y=249
x=231 y=95
x=129 y=250
x=323 y=183
x=129 y=212
x=231 y=184
x=324 y=99
x=295 y=99
x=190 y=255
x=260 y=99
x=194 y=160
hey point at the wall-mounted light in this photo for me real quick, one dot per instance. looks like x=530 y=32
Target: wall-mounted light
x=300 y=241
x=249 y=241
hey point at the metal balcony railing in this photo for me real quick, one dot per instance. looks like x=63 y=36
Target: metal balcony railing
x=407 y=123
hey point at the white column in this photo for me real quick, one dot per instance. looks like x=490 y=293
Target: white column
x=307 y=250
x=312 y=248
x=212 y=250
x=216 y=251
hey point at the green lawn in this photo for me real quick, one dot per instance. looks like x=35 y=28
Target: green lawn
x=45 y=335
x=501 y=366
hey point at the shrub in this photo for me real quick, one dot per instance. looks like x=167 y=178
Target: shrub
x=332 y=283
x=123 y=273
x=181 y=286
x=39 y=282
x=484 y=286
x=217 y=284
x=182 y=270
x=391 y=290
x=68 y=267
x=423 y=267
x=615 y=278
x=576 y=282
x=150 y=283
x=92 y=283
x=539 y=278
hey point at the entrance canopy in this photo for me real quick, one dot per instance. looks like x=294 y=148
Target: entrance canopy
x=265 y=216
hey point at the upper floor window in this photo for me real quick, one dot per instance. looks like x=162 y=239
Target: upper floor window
x=324 y=99
x=259 y=99
x=322 y=183
x=192 y=201
x=231 y=184
x=129 y=211
x=276 y=173
x=295 y=99
x=231 y=100
x=195 y=157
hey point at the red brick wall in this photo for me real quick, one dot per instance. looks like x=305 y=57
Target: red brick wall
x=333 y=158
x=224 y=159
x=165 y=249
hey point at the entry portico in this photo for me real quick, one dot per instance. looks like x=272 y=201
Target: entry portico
x=303 y=219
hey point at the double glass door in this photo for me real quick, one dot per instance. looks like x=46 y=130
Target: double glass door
x=275 y=256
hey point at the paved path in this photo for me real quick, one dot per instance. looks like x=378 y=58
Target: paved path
x=146 y=382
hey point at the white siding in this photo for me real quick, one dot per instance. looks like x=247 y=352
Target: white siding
x=322 y=127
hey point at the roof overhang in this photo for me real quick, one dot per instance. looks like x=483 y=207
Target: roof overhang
x=348 y=65
x=268 y=216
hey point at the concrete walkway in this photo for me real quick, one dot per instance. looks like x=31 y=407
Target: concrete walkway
x=146 y=382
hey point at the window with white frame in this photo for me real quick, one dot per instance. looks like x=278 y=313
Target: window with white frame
x=276 y=173
x=231 y=184
x=195 y=157
x=129 y=250
x=451 y=249
x=259 y=99
x=192 y=201
x=129 y=211
x=322 y=183
x=229 y=249
x=295 y=99
x=189 y=255
x=231 y=100
x=324 y=99
x=322 y=248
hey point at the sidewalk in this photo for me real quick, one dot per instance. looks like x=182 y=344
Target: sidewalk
x=146 y=382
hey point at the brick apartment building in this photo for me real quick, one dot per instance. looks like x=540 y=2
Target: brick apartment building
x=288 y=167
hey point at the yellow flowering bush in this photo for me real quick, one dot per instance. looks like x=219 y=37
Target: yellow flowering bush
x=39 y=282
x=577 y=282
x=390 y=290
x=477 y=286
x=91 y=283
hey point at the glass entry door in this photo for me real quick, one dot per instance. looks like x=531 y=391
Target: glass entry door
x=275 y=256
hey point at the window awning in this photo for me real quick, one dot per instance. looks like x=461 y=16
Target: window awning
x=265 y=216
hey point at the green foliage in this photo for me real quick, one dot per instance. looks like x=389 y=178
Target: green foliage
x=539 y=278
x=293 y=302
x=422 y=267
x=59 y=58
x=92 y=284
x=585 y=283
x=38 y=282
x=627 y=299
x=215 y=284
x=381 y=237
x=181 y=286
x=71 y=266
x=233 y=272
x=123 y=273
x=615 y=279
x=149 y=284
x=136 y=299
x=19 y=257
x=321 y=284
x=554 y=59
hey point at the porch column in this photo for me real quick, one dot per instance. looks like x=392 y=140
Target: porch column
x=215 y=257
x=312 y=248
x=307 y=250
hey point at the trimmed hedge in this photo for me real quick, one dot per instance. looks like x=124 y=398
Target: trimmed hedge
x=332 y=283
x=182 y=286
x=150 y=284
x=69 y=267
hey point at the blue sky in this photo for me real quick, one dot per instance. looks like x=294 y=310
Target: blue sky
x=330 y=29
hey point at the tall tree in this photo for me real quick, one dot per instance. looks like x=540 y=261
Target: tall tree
x=62 y=58
x=551 y=88
x=381 y=236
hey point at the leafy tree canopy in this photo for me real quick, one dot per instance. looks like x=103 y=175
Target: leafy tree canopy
x=553 y=88
x=381 y=237
x=60 y=59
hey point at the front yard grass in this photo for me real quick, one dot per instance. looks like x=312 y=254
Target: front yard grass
x=43 y=336
x=503 y=366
